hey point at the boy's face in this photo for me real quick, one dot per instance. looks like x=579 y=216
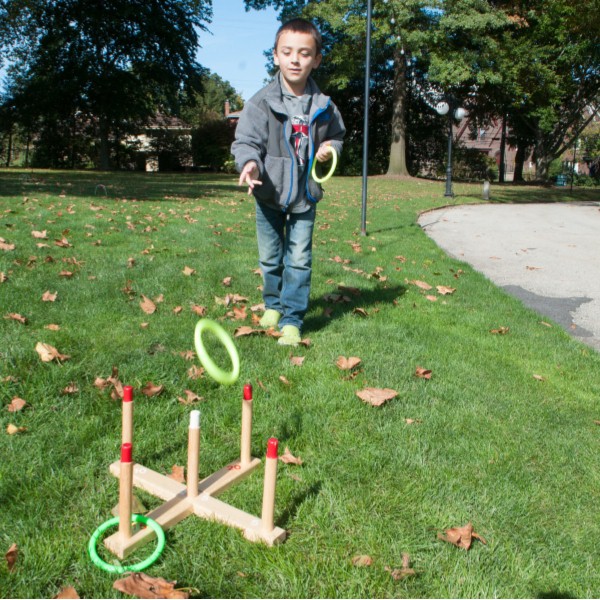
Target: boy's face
x=296 y=56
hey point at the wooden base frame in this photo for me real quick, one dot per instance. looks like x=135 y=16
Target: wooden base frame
x=179 y=504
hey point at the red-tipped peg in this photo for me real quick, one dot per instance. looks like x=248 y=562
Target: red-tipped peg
x=272 y=448
x=126 y=451
x=127 y=393
x=248 y=392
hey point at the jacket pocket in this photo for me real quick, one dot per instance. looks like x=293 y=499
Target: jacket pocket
x=277 y=181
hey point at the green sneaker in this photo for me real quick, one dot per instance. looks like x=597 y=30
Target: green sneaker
x=270 y=318
x=290 y=337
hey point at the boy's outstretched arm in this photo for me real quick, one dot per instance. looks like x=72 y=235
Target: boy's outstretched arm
x=249 y=175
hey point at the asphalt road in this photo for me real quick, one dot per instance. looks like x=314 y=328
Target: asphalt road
x=547 y=255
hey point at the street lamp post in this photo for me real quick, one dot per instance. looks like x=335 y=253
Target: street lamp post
x=447 y=108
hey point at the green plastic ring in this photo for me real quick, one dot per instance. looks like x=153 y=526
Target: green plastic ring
x=223 y=377
x=334 y=159
x=93 y=552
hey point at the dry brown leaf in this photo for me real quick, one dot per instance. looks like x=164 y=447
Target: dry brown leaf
x=177 y=473
x=4 y=245
x=226 y=281
x=239 y=313
x=68 y=592
x=48 y=296
x=147 y=305
x=405 y=571
x=500 y=330
x=188 y=271
x=52 y=327
x=3 y=277
x=361 y=312
x=199 y=310
x=144 y=586
x=195 y=372
x=462 y=537
x=297 y=361
x=12 y=429
x=444 y=290
x=376 y=396
x=420 y=284
x=190 y=397
x=362 y=560
x=423 y=373
x=48 y=353
x=539 y=377
x=288 y=458
x=150 y=389
x=284 y=380
x=16 y=404
x=72 y=388
x=409 y=421
x=178 y=310
x=11 y=557
x=16 y=317
x=62 y=243
x=347 y=364
x=246 y=330
x=431 y=298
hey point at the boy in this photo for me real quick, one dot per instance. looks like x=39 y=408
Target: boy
x=282 y=130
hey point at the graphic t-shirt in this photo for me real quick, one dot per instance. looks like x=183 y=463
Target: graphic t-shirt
x=298 y=109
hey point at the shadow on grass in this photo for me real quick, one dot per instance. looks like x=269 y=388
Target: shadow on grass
x=334 y=305
x=535 y=194
x=555 y=594
x=288 y=515
x=115 y=185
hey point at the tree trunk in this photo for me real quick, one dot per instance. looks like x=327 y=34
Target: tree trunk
x=104 y=150
x=502 y=173
x=520 y=157
x=397 y=164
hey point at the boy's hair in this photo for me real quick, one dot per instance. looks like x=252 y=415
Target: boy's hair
x=301 y=26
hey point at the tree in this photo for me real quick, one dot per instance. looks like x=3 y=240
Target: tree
x=115 y=62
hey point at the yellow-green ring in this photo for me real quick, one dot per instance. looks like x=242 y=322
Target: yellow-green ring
x=334 y=159
x=93 y=552
x=218 y=374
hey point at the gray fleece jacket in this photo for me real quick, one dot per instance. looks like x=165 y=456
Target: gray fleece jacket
x=263 y=135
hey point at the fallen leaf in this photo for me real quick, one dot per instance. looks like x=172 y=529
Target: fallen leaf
x=16 y=404
x=246 y=330
x=68 y=592
x=361 y=312
x=16 y=317
x=188 y=271
x=420 y=284
x=4 y=245
x=431 y=298
x=347 y=364
x=72 y=388
x=423 y=373
x=284 y=380
x=226 y=282
x=11 y=557
x=190 y=397
x=288 y=458
x=12 y=429
x=52 y=327
x=147 y=305
x=539 y=377
x=362 y=560
x=500 y=330
x=444 y=290
x=144 y=586
x=199 y=310
x=462 y=537
x=405 y=571
x=49 y=296
x=48 y=353
x=409 y=421
x=376 y=396
x=297 y=361
x=177 y=473
x=195 y=372
x=150 y=389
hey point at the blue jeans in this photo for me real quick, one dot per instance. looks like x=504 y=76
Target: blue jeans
x=285 y=259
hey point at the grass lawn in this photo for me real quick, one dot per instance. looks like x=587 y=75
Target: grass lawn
x=502 y=434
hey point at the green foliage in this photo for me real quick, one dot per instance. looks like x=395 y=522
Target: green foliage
x=211 y=143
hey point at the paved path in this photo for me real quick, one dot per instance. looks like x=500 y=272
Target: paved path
x=547 y=255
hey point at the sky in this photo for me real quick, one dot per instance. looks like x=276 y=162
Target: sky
x=235 y=50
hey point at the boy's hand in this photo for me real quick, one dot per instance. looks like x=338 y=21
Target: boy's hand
x=324 y=152
x=249 y=175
